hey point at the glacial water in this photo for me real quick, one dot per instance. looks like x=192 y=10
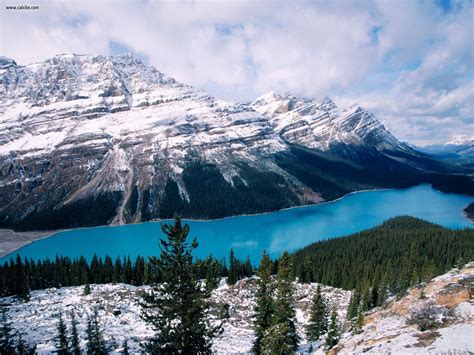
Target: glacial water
x=275 y=232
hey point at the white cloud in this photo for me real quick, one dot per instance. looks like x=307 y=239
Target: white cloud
x=407 y=60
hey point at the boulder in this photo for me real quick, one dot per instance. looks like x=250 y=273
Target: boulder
x=452 y=295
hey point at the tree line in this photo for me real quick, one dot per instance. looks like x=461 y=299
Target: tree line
x=385 y=260
x=20 y=276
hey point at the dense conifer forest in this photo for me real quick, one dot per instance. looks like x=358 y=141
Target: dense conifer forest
x=384 y=260
x=18 y=276
x=207 y=188
x=377 y=263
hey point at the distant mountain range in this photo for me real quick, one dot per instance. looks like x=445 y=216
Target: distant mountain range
x=91 y=140
x=460 y=147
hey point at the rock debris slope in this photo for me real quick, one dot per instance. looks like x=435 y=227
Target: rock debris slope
x=119 y=311
x=391 y=329
x=435 y=318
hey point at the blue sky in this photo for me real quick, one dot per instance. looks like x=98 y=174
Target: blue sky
x=410 y=62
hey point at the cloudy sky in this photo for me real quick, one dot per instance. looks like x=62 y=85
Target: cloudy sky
x=410 y=62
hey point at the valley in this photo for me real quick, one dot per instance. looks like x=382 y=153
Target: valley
x=78 y=131
x=237 y=177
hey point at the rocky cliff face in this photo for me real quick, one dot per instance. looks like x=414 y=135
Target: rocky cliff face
x=89 y=140
x=77 y=131
x=322 y=125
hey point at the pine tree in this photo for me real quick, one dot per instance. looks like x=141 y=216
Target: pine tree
x=264 y=307
x=87 y=289
x=127 y=271
x=406 y=275
x=285 y=313
x=358 y=322
x=62 y=344
x=21 y=280
x=428 y=270
x=334 y=332
x=108 y=270
x=74 y=338
x=232 y=278
x=374 y=294
x=22 y=348
x=383 y=291
x=178 y=313
x=6 y=339
x=277 y=341
x=248 y=267
x=125 y=350
x=365 y=298
x=354 y=305
x=96 y=344
x=460 y=262
x=318 y=321
x=213 y=273
x=116 y=275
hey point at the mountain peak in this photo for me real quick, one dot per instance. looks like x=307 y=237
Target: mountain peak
x=355 y=107
x=71 y=76
x=327 y=104
x=268 y=97
x=88 y=126
x=461 y=141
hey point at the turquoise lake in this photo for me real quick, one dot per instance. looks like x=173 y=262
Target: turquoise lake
x=275 y=232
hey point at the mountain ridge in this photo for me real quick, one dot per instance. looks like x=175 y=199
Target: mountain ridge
x=82 y=131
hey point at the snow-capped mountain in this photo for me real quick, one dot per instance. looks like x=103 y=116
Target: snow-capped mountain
x=322 y=125
x=88 y=140
x=463 y=147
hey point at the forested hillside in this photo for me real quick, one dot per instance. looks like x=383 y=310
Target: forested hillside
x=386 y=259
x=383 y=260
x=379 y=264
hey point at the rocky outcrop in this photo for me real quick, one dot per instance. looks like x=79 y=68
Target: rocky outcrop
x=432 y=318
x=322 y=125
x=453 y=294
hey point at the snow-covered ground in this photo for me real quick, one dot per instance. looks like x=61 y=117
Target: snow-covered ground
x=119 y=311
x=386 y=329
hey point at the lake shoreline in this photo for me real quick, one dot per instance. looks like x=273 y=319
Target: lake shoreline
x=8 y=246
x=11 y=241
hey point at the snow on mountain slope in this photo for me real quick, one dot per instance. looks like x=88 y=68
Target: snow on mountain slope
x=80 y=131
x=462 y=146
x=118 y=102
x=322 y=125
x=105 y=126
